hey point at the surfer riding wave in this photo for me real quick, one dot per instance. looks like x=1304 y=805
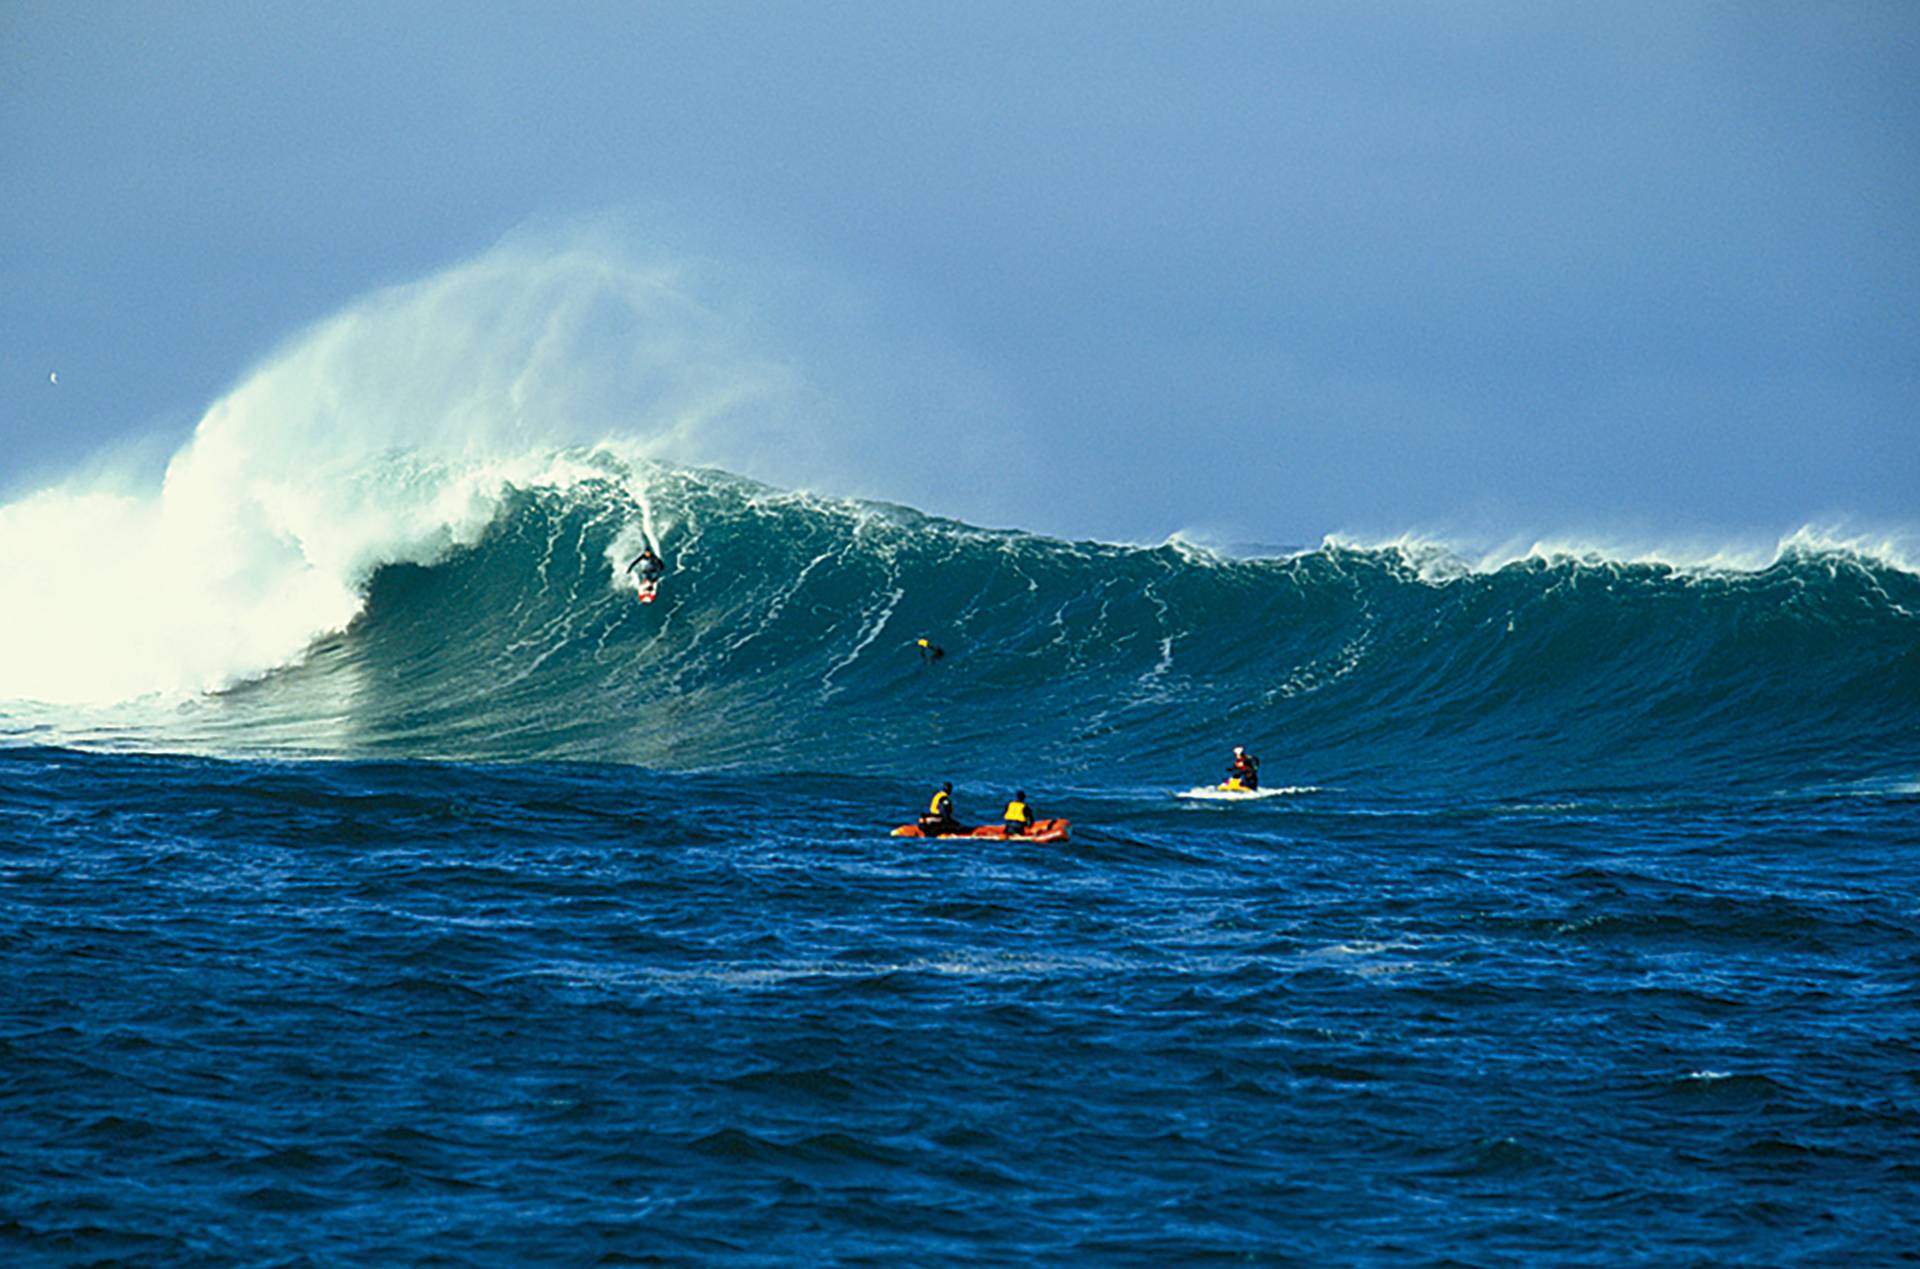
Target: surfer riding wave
x=651 y=569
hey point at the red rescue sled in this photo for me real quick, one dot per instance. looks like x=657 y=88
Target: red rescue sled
x=1042 y=831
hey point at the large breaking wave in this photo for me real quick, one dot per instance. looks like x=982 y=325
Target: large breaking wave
x=785 y=639
x=405 y=535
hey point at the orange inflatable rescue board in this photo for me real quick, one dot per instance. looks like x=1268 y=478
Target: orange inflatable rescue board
x=1042 y=831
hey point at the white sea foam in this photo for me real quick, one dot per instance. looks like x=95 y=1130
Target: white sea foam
x=226 y=571
x=1214 y=793
x=1438 y=559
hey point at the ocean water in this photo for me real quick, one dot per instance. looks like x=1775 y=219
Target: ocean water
x=487 y=916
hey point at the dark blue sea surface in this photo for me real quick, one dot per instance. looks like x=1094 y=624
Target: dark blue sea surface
x=521 y=923
x=351 y=1012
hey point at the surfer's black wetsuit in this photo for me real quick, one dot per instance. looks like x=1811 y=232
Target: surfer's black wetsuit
x=652 y=567
x=1246 y=769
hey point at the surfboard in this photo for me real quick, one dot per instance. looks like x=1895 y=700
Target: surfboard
x=648 y=591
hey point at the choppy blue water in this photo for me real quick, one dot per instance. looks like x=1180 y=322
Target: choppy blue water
x=1595 y=936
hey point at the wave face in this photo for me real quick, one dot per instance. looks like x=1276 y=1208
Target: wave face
x=784 y=639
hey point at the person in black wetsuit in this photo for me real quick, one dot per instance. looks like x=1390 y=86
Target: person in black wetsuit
x=652 y=567
x=1245 y=769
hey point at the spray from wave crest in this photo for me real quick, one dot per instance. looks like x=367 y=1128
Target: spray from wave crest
x=387 y=434
x=390 y=433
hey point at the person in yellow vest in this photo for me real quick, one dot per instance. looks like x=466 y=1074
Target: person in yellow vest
x=1019 y=815
x=939 y=817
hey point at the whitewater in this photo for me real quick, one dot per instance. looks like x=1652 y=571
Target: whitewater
x=379 y=881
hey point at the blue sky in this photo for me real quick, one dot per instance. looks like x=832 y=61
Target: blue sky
x=1267 y=271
